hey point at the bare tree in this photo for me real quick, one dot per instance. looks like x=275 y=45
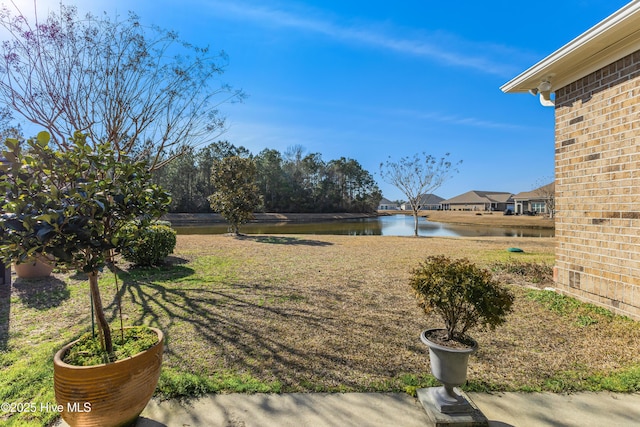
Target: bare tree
x=548 y=194
x=417 y=176
x=140 y=88
x=8 y=129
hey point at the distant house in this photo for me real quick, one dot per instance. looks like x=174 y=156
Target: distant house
x=540 y=200
x=475 y=200
x=593 y=84
x=387 y=205
x=426 y=202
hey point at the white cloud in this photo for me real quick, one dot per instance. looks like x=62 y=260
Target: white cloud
x=446 y=49
x=443 y=48
x=455 y=119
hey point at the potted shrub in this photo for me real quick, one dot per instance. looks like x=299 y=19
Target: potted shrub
x=464 y=296
x=70 y=206
x=34 y=267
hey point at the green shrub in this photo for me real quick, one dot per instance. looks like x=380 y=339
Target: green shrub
x=147 y=245
x=461 y=293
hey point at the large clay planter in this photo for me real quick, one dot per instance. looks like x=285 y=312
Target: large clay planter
x=449 y=366
x=107 y=395
x=33 y=269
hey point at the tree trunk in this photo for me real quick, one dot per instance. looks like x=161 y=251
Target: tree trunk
x=97 y=307
x=415 y=223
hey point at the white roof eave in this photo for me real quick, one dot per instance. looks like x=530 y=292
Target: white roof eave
x=613 y=38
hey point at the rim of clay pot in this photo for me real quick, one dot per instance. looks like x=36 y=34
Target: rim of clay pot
x=60 y=353
x=425 y=340
x=47 y=260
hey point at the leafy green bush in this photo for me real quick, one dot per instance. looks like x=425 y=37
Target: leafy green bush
x=147 y=245
x=461 y=293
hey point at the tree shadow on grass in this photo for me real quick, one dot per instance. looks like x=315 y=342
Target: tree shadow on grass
x=163 y=273
x=217 y=317
x=231 y=322
x=5 y=312
x=42 y=293
x=280 y=240
x=175 y=260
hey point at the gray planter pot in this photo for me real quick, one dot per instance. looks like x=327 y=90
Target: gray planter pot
x=449 y=366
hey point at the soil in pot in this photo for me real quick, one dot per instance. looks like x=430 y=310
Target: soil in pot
x=87 y=351
x=459 y=342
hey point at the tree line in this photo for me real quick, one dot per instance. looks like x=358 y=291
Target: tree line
x=293 y=181
x=149 y=94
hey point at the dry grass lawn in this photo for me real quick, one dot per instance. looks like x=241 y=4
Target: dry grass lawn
x=315 y=313
x=496 y=219
x=335 y=313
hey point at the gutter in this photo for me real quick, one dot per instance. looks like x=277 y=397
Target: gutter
x=613 y=38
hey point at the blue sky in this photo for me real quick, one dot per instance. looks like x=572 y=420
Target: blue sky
x=372 y=79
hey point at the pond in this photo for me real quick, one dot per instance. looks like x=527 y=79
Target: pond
x=393 y=225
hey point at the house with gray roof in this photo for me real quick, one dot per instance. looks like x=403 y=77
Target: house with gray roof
x=426 y=202
x=476 y=200
x=538 y=201
x=387 y=205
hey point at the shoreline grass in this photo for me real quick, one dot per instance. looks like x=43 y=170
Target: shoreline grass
x=315 y=313
x=492 y=219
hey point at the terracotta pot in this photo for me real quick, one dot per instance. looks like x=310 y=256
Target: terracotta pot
x=33 y=269
x=107 y=395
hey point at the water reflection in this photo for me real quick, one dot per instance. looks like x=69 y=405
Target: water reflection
x=394 y=225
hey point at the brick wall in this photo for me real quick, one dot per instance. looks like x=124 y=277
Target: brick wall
x=598 y=187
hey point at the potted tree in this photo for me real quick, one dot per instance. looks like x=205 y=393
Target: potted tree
x=70 y=206
x=464 y=296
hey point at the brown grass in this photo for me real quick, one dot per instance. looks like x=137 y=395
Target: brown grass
x=315 y=313
x=336 y=313
x=496 y=219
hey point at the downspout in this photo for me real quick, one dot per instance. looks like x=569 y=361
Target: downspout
x=544 y=90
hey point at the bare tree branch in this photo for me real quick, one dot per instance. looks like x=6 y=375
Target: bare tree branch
x=416 y=176
x=140 y=88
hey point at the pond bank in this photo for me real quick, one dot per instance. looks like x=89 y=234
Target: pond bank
x=491 y=219
x=183 y=219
